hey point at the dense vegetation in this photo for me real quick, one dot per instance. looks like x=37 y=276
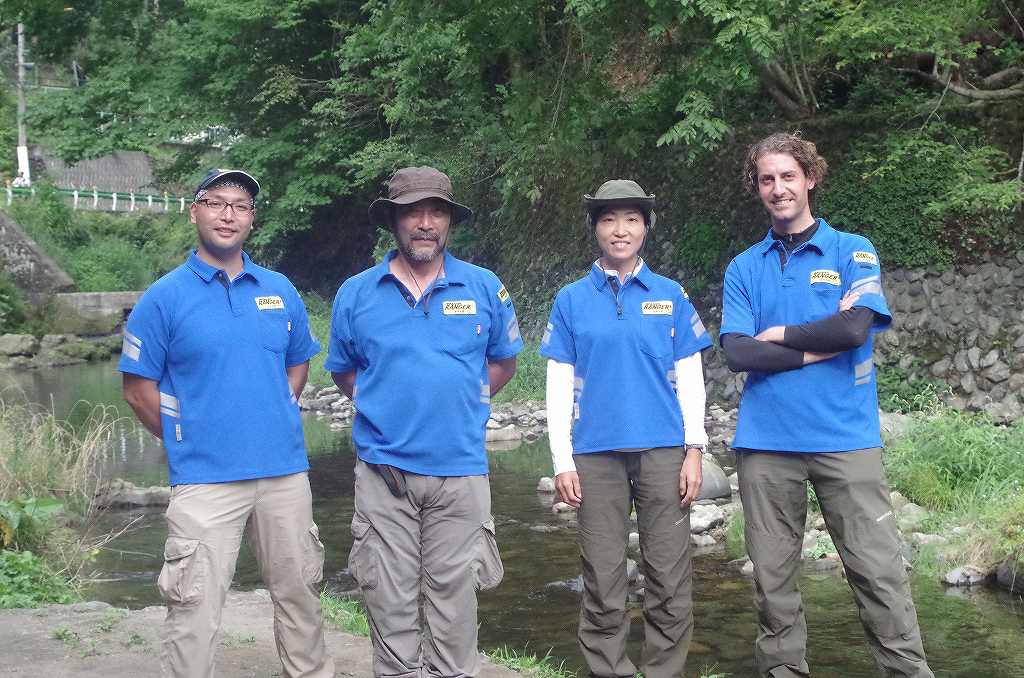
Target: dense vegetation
x=527 y=104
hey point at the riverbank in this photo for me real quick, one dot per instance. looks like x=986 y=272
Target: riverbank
x=26 y=351
x=96 y=640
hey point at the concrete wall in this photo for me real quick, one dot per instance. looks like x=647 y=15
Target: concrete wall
x=35 y=274
x=92 y=313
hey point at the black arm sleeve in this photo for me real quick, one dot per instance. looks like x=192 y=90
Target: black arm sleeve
x=839 y=332
x=746 y=354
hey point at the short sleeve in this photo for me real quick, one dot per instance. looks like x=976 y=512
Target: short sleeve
x=302 y=345
x=737 y=311
x=862 y=274
x=689 y=334
x=146 y=338
x=504 y=340
x=558 y=343
x=342 y=355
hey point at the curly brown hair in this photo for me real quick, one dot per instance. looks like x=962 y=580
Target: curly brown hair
x=804 y=152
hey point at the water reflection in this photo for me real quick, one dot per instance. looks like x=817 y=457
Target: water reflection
x=978 y=634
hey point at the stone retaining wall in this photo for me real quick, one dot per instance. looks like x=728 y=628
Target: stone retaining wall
x=962 y=328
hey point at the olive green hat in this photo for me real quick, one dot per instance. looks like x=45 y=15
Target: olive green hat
x=620 y=192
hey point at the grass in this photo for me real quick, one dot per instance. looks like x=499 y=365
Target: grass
x=735 y=541
x=344 y=614
x=528 y=382
x=969 y=472
x=43 y=456
x=49 y=473
x=529 y=664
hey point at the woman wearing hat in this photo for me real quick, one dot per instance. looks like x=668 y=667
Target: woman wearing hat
x=625 y=399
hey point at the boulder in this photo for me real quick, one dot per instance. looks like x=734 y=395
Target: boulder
x=715 y=483
x=18 y=344
x=702 y=540
x=503 y=434
x=1010 y=575
x=120 y=493
x=964 y=576
x=561 y=507
x=910 y=516
x=703 y=517
x=546 y=484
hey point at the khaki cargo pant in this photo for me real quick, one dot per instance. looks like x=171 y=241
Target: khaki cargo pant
x=435 y=543
x=204 y=527
x=610 y=483
x=854 y=498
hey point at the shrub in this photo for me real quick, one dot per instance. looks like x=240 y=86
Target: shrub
x=26 y=581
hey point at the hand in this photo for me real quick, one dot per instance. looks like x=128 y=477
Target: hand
x=811 y=358
x=848 y=300
x=776 y=334
x=568 y=486
x=690 y=478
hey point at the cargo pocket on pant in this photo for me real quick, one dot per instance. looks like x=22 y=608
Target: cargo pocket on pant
x=181 y=578
x=313 y=568
x=487 y=568
x=363 y=559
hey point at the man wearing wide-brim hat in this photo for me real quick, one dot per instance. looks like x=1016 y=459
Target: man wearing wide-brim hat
x=421 y=342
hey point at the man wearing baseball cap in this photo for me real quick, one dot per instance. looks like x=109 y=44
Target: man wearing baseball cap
x=421 y=342
x=214 y=358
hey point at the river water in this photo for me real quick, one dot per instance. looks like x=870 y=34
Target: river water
x=966 y=635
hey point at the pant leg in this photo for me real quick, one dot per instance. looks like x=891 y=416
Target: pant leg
x=664 y=528
x=291 y=559
x=855 y=504
x=204 y=531
x=459 y=557
x=773 y=490
x=602 y=533
x=385 y=562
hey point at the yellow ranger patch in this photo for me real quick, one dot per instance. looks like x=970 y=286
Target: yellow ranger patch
x=503 y=295
x=269 y=303
x=465 y=307
x=825 y=276
x=657 y=308
x=865 y=258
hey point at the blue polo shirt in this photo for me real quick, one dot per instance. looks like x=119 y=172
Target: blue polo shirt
x=623 y=341
x=218 y=350
x=830 y=406
x=422 y=393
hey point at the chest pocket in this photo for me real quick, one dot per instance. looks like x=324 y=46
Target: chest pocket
x=462 y=334
x=656 y=335
x=274 y=330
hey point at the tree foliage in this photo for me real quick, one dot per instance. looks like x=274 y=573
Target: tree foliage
x=528 y=103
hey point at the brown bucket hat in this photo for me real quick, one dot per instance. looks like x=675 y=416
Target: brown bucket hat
x=412 y=184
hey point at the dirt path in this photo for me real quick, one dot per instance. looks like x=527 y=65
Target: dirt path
x=95 y=640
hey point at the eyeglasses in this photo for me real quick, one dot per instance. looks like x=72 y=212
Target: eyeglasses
x=240 y=208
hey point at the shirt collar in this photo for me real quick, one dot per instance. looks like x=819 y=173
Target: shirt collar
x=454 y=269
x=600 y=276
x=207 y=272
x=819 y=241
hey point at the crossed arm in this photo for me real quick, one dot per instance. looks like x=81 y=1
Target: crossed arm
x=789 y=347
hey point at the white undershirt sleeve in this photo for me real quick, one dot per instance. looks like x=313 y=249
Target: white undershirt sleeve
x=691 y=396
x=560 y=377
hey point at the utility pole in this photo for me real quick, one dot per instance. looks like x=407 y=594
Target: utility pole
x=24 y=177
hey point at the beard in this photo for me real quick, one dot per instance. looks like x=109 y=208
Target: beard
x=420 y=256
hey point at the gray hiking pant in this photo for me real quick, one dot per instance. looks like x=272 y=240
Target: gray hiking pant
x=436 y=542
x=610 y=483
x=854 y=498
